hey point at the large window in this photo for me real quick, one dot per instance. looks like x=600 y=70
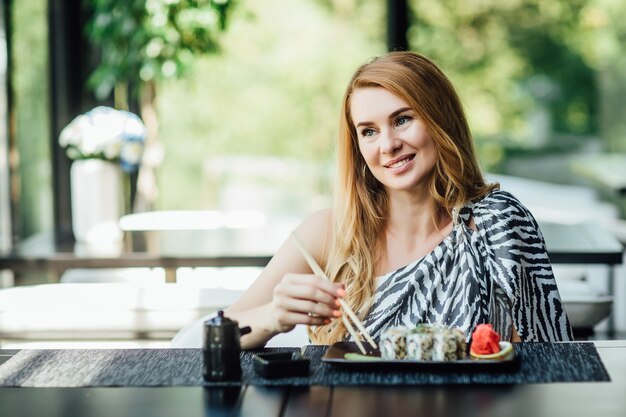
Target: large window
x=32 y=184
x=254 y=126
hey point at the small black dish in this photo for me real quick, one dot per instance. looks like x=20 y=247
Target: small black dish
x=280 y=364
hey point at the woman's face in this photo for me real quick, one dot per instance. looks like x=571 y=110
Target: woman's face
x=393 y=140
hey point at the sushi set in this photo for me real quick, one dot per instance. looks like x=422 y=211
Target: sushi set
x=428 y=346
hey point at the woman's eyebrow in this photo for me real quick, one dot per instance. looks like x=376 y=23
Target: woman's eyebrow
x=399 y=111
x=391 y=116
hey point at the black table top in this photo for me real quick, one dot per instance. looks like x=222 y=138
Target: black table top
x=560 y=399
x=581 y=243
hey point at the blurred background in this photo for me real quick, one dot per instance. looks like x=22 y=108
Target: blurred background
x=241 y=99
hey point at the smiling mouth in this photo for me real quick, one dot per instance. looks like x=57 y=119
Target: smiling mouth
x=400 y=162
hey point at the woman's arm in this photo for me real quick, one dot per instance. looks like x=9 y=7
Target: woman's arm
x=518 y=262
x=287 y=290
x=514 y=335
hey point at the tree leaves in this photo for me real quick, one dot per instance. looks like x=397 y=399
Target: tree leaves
x=147 y=40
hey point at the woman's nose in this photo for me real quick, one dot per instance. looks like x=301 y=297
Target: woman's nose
x=389 y=143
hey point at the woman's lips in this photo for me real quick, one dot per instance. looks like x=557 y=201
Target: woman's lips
x=400 y=162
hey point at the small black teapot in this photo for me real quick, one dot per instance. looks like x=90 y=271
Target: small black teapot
x=221 y=348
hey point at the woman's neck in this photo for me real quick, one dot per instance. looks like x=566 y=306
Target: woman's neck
x=411 y=232
x=414 y=215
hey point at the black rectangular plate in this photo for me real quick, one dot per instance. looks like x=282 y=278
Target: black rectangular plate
x=280 y=365
x=335 y=355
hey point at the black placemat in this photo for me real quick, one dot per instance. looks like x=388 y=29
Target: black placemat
x=538 y=363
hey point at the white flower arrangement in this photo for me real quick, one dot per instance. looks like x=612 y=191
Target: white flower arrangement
x=108 y=134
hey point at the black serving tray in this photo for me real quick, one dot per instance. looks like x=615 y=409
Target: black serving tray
x=335 y=354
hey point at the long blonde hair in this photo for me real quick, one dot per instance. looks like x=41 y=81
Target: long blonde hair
x=361 y=202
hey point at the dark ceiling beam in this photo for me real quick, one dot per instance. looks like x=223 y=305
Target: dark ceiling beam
x=397 y=25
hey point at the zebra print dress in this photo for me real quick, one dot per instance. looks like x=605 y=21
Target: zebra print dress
x=498 y=274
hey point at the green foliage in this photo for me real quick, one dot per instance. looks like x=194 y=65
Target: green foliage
x=544 y=40
x=31 y=116
x=605 y=21
x=146 y=40
x=276 y=88
x=274 y=91
x=494 y=50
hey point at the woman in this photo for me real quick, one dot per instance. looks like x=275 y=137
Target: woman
x=415 y=235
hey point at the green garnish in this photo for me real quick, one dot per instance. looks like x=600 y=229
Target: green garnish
x=359 y=357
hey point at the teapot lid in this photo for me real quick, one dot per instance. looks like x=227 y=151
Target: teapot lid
x=221 y=320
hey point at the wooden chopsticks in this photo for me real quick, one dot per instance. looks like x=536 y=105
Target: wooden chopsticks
x=317 y=270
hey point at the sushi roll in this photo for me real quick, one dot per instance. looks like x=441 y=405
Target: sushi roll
x=419 y=344
x=461 y=343
x=425 y=342
x=393 y=343
x=448 y=345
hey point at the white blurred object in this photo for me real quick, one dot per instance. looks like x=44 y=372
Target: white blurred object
x=191 y=336
x=296 y=338
x=232 y=278
x=96 y=309
x=96 y=201
x=104 y=133
x=193 y=220
x=135 y=276
x=557 y=203
x=567 y=272
x=585 y=306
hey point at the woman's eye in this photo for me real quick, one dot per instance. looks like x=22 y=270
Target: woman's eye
x=367 y=132
x=402 y=120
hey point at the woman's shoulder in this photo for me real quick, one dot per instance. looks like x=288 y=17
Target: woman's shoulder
x=500 y=202
x=319 y=218
x=502 y=208
x=315 y=231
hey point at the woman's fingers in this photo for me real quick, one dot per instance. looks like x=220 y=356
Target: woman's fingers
x=308 y=307
x=313 y=294
x=286 y=320
x=305 y=299
x=312 y=288
x=291 y=318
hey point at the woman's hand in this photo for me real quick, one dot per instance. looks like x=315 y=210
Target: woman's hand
x=304 y=299
x=287 y=291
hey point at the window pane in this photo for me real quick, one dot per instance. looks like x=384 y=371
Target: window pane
x=30 y=84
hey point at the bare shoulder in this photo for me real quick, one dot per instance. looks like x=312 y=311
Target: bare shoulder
x=315 y=232
x=318 y=219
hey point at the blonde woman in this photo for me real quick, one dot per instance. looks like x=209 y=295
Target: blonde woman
x=416 y=235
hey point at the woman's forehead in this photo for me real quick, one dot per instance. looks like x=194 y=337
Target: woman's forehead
x=372 y=103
